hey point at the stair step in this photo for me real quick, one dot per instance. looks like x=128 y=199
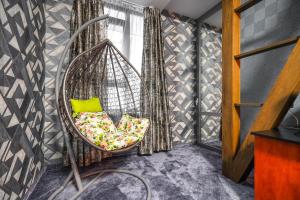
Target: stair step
x=269 y=47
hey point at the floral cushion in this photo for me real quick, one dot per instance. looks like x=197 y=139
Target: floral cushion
x=95 y=126
x=135 y=127
x=100 y=130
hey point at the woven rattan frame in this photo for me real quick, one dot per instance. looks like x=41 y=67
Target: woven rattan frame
x=90 y=74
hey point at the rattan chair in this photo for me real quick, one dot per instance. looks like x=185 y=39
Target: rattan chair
x=104 y=72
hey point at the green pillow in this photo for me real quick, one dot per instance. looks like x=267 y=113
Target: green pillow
x=88 y=105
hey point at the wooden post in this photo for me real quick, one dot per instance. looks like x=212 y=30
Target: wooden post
x=231 y=83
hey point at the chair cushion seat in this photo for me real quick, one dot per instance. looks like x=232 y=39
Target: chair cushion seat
x=98 y=128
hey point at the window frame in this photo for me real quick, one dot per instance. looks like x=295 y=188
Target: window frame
x=125 y=23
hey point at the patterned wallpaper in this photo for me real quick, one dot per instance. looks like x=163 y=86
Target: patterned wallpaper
x=22 y=75
x=209 y=84
x=180 y=62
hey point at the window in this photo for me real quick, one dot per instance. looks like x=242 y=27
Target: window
x=125 y=30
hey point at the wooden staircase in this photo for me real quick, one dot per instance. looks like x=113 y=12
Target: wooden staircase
x=238 y=158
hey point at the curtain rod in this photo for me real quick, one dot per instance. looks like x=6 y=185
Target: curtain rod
x=137 y=5
x=134 y=4
x=124 y=2
x=130 y=3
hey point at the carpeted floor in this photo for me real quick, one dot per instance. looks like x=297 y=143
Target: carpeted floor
x=188 y=172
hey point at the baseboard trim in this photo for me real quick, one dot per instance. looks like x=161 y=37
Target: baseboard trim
x=215 y=149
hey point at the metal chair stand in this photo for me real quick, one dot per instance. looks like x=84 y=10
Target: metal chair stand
x=74 y=174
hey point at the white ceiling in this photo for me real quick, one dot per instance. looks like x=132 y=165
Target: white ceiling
x=190 y=8
x=161 y=4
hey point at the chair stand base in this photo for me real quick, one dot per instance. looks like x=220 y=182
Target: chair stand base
x=98 y=173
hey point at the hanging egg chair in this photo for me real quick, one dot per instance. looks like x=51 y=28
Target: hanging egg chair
x=104 y=72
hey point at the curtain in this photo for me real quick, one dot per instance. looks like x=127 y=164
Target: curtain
x=153 y=74
x=84 y=10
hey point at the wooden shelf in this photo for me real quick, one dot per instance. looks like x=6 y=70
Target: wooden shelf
x=269 y=47
x=246 y=5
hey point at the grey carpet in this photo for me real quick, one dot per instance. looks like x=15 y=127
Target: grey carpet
x=188 y=172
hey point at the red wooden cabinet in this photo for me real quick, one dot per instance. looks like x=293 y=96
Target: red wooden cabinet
x=276 y=166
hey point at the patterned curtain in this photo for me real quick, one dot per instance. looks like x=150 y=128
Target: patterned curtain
x=83 y=11
x=153 y=74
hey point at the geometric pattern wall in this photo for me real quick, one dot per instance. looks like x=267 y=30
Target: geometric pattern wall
x=22 y=76
x=180 y=61
x=210 y=84
x=57 y=35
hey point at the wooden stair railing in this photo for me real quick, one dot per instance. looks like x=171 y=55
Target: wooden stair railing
x=237 y=159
